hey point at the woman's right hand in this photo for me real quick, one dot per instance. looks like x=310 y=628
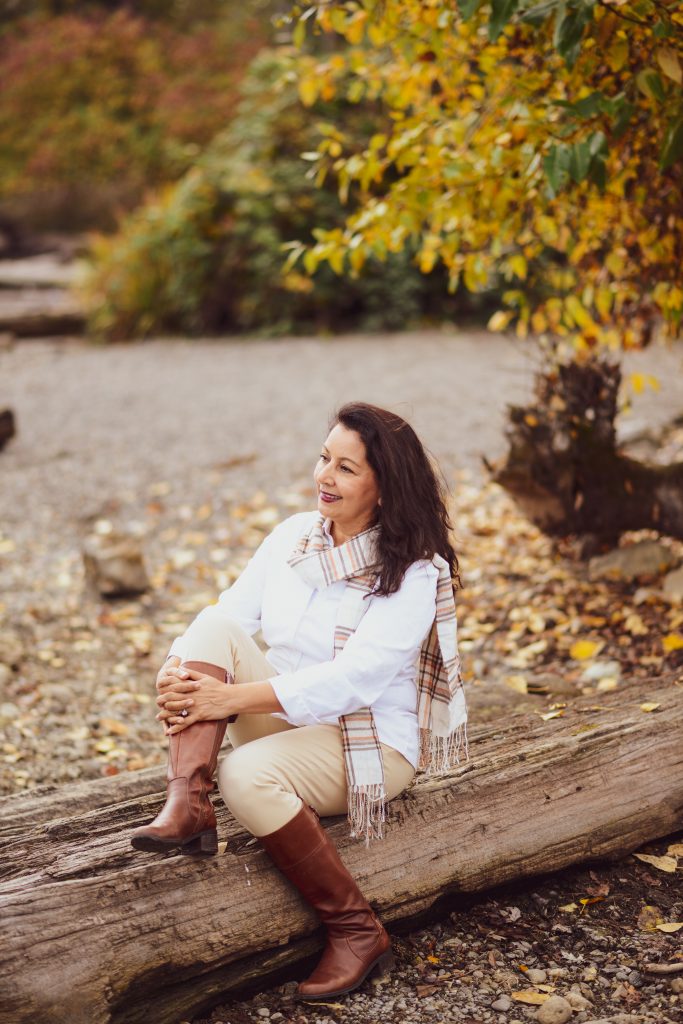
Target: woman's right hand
x=164 y=677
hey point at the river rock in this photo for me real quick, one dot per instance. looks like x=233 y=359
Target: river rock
x=555 y=1010
x=114 y=564
x=672 y=584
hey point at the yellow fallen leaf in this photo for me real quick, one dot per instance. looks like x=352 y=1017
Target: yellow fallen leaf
x=517 y=683
x=546 y=988
x=661 y=863
x=675 y=850
x=672 y=642
x=529 y=995
x=607 y=684
x=582 y=649
x=552 y=714
x=669 y=926
x=111 y=725
x=648 y=706
x=433 y=959
x=569 y=908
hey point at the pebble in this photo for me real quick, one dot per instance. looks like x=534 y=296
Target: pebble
x=555 y=1010
x=677 y=985
x=263 y=1011
x=502 y=1003
x=536 y=976
x=577 y=1001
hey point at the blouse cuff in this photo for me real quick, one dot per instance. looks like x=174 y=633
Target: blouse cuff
x=293 y=703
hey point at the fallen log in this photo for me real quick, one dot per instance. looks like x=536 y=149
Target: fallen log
x=94 y=933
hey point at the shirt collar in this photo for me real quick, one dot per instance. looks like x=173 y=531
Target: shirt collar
x=327 y=532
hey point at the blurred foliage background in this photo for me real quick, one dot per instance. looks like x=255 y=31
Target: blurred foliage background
x=419 y=161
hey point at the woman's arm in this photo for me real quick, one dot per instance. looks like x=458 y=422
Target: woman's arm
x=390 y=631
x=206 y=698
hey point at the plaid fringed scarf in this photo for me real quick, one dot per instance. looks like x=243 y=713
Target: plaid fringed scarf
x=441 y=708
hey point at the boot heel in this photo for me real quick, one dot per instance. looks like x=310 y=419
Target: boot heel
x=384 y=966
x=205 y=844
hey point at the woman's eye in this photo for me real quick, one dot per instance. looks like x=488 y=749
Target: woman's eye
x=323 y=457
x=347 y=469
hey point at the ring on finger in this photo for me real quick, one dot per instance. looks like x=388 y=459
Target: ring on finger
x=184 y=713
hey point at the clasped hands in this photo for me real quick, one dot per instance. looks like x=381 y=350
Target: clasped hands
x=204 y=697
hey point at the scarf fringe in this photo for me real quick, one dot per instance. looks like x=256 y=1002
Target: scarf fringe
x=367 y=811
x=439 y=754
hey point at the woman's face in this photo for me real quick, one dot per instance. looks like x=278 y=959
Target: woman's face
x=347 y=486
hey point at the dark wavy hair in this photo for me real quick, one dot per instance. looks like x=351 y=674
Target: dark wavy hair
x=413 y=515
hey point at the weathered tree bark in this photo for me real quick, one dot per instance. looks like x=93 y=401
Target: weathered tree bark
x=565 y=471
x=94 y=933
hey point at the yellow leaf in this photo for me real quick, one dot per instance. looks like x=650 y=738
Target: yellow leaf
x=665 y=863
x=433 y=959
x=675 y=850
x=518 y=265
x=529 y=995
x=669 y=926
x=500 y=320
x=569 y=908
x=617 y=55
x=111 y=725
x=308 y=90
x=517 y=683
x=667 y=58
x=648 y=706
x=552 y=714
x=580 y=650
x=672 y=642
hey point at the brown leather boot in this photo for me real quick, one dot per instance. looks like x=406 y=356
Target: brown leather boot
x=356 y=941
x=187 y=819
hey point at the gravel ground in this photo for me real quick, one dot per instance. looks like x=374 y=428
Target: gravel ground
x=493 y=961
x=198 y=448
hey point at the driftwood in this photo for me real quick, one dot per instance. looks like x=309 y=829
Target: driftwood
x=564 y=468
x=94 y=933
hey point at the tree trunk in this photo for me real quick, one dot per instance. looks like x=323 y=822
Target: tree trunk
x=95 y=933
x=565 y=471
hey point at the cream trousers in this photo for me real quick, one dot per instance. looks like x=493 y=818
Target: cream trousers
x=273 y=765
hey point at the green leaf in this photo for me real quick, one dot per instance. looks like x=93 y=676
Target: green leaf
x=469 y=8
x=579 y=161
x=556 y=167
x=650 y=84
x=501 y=12
x=569 y=33
x=673 y=145
x=623 y=119
x=539 y=13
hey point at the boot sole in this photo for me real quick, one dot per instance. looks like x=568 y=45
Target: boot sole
x=379 y=967
x=203 y=844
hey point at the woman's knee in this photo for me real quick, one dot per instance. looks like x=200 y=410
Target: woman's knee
x=398 y=772
x=243 y=778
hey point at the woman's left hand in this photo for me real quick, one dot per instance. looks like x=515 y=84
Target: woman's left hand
x=204 y=697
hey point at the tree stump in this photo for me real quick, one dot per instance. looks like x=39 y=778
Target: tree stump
x=564 y=469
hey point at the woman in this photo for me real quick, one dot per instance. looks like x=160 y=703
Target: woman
x=349 y=599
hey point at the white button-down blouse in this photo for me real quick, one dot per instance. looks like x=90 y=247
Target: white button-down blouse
x=377 y=666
